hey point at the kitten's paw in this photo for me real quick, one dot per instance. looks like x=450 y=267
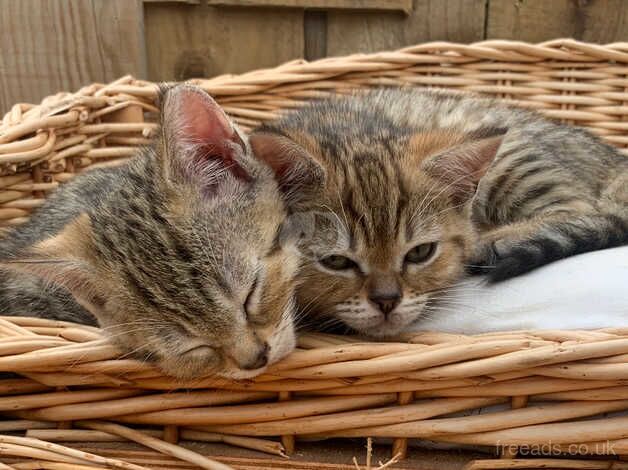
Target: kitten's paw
x=501 y=259
x=510 y=265
x=485 y=257
x=514 y=258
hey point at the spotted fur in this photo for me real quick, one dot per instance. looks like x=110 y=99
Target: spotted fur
x=175 y=253
x=498 y=189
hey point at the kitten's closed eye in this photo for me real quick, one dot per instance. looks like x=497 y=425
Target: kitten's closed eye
x=251 y=299
x=421 y=253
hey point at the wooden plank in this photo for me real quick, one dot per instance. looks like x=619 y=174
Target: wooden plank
x=187 y=41
x=315 y=34
x=430 y=20
x=391 y=5
x=601 y=21
x=59 y=45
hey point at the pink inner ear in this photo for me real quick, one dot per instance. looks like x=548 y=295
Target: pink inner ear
x=204 y=124
x=462 y=167
x=275 y=152
x=203 y=120
x=297 y=173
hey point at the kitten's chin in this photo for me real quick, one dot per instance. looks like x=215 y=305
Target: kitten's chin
x=240 y=374
x=385 y=330
x=193 y=366
x=376 y=327
x=282 y=343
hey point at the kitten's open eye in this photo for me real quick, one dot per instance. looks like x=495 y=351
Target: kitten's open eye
x=338 y=263
x=420 y=253
x=248 y=303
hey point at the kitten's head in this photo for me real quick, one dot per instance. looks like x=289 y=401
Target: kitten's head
x=180 y=261
x=385 y=213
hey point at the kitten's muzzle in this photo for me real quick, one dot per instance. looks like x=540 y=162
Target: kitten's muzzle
x=385 y=303
x=258 y=361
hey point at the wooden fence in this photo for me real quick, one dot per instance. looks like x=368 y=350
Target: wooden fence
x=52 y=45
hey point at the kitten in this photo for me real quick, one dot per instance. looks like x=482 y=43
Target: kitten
x=175 y=253
x=410 y=187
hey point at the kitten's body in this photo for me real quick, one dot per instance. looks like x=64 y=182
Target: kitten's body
x=173 y=252
x=24 y=294
x=396 y=169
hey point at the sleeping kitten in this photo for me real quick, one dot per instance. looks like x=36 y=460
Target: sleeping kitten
x=175 y=253
x=409 y=188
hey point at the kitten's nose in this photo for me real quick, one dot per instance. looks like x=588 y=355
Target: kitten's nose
x=258 y=361
x=386 y=303
x=384 y=292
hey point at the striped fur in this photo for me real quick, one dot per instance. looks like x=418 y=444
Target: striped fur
x=181 y=267
x=546 y=191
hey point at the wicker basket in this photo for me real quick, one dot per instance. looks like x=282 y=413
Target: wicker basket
x=538 y=388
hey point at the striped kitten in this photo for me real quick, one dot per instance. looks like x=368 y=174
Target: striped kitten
x=411 y=187
x=175 y=253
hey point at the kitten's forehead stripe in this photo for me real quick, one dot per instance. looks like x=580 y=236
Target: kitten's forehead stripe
x=348 y=210
x=373 y=195
x=275 y=246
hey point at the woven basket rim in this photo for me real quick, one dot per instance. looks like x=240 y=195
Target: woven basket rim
x=564 y=50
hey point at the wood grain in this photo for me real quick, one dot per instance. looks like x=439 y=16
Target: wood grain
x=602 y=21
x=172 y=1
x=61 y=45
x=399 y=5
x=315 y=34
x=452 y=20
x=187 y=41
x=54 y=45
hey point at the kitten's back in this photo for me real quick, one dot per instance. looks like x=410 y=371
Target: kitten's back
x=27 y=295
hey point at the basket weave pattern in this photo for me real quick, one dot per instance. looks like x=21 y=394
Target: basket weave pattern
x=537 y=387
x=553 y=383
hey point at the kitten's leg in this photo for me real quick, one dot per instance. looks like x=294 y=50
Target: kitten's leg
x=550 y=232
x=494 y=244
x=24 y=295
x=520 y=247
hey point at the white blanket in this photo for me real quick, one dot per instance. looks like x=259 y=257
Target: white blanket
x=582 y=292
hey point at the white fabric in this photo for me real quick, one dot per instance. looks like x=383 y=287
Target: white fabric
x=582 y=292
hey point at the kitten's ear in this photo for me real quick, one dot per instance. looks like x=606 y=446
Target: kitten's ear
x=296 y=171
x=200 y=144
x=63 y=259
x=461 y=167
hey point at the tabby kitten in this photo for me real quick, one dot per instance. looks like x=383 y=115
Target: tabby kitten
x=410 y=187
x=175 y=253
